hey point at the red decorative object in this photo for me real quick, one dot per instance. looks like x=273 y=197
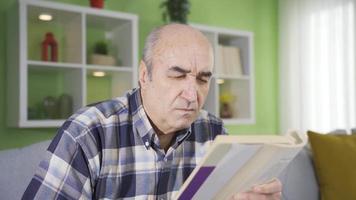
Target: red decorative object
x=97 y=3
x=49 y=42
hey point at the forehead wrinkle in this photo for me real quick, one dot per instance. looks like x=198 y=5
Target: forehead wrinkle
x=182 y=37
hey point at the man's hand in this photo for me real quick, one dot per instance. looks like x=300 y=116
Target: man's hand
x=268 y=191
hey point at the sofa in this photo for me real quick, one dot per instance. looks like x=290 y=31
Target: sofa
x=18 y=166
x=299 y=178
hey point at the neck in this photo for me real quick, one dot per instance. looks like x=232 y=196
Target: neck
x=164 y=134
x=165 y=139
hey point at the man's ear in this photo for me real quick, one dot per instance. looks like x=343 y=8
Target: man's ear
x=143 y=75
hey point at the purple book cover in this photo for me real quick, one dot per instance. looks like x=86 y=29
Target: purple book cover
x=196 y=182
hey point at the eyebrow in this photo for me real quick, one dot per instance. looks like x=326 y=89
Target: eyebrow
x=205 y=74
x=184 y=71
x=179 y=69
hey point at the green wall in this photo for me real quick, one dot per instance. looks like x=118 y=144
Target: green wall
x=257 y=16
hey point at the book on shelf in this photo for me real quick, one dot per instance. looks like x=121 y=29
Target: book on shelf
x=228 y=61
x=220 y=64
x=236 y=163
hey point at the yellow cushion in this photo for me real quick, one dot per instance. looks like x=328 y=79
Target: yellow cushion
x=335 y=164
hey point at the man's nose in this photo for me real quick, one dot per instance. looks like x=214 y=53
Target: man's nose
x=190 y=92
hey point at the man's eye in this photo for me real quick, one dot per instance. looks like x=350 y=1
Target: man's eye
x=181 y=76
x=178 y=76
x=203 y=80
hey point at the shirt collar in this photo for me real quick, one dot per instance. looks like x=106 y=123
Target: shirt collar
x=180 y=136
x=143 y=125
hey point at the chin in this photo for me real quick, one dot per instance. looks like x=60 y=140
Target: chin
x=178 y=128
x=184 y=122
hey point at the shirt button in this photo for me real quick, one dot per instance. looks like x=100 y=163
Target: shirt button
x=165 y=159
x=147 y=144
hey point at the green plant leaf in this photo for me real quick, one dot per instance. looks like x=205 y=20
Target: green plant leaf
x=101 y=47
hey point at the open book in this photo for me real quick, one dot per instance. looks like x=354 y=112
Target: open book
x=236 y=163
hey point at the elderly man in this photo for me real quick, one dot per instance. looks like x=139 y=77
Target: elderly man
x=145 y=144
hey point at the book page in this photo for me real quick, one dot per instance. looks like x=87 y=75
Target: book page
x=231 y=167
x=231 y=163
x=267 y=164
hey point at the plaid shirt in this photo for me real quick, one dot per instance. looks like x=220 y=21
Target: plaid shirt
x=110 y=151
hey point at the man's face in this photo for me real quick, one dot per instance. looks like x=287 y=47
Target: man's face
x=180 y=82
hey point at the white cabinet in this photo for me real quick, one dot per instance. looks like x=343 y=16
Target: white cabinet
x=231 y=95
x=44 y=92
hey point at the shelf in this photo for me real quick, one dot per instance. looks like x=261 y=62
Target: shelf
x=54 y=64
x=238 y=77
x=108 y=85
x=66 y=28
x=105 y=23
x=246 y=121
x=43 y=92
x=58 y=97
x=231 y=94
x=243 y=44
x=237 y=95
x=111 y=31
x=110 y=68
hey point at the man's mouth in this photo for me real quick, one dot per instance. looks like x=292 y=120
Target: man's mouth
x=187 y=109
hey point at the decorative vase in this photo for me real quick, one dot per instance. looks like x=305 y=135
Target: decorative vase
x=226 y=111
x=99 y=59
x=97 y=3
x=49 y=44
x=65 y=104
x=50 y=107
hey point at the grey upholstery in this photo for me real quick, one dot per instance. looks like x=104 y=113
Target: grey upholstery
x=18 y=167
x=299 y=179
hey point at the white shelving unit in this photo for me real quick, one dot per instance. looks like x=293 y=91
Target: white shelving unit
x=238 y=86
x=33 y=84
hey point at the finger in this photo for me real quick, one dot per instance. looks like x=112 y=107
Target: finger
x=277 y=195
x=240 y=196
x=252 y=195
x=274 y=186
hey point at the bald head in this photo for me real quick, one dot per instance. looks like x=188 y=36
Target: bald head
x=175 y=76
x=167 y=36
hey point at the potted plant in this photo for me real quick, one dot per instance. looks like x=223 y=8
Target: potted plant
x=175 y=10
x=97 y=3
x=101 y=55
